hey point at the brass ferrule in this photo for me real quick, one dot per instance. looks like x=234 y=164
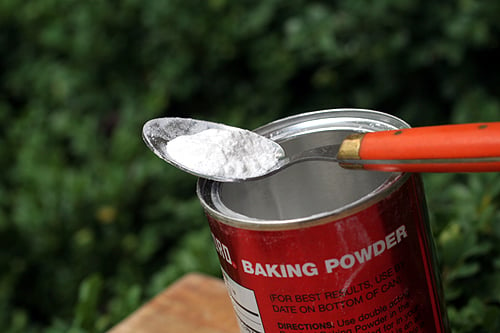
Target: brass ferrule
x=349 y=150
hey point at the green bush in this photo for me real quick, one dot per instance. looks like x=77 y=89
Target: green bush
x=92 y=224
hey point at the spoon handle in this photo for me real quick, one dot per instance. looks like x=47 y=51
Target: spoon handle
x=446 y=148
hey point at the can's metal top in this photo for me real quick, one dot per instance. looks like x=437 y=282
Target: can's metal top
x=307 y=193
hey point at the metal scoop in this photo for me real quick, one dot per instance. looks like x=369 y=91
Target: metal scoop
x=446 y=148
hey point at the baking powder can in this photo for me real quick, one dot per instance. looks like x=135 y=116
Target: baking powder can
x=318 y=248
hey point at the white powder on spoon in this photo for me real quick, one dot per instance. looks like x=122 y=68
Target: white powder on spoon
x=231 y=153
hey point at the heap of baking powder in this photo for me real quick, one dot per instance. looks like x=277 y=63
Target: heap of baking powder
x=232 y=153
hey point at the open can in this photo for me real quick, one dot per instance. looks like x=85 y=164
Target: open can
x=318 y=248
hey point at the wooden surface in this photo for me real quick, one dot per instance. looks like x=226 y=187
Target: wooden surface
x=195 y=303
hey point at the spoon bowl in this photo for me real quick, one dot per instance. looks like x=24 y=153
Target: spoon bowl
x=157 y=133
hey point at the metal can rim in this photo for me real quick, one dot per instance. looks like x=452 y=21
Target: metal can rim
x=207 y=190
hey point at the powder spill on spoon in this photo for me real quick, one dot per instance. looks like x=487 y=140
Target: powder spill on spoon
x=227 y=153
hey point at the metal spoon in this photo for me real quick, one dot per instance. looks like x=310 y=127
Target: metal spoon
x=446 y=148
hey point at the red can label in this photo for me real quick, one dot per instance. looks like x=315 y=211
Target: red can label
x=372 y=271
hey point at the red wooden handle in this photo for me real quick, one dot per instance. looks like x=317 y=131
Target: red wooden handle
x=434 y=142
x=447 y=148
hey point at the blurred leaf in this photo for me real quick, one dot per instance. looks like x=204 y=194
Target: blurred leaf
x=88 y=301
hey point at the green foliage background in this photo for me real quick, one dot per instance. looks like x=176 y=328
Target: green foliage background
x=92 y=224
